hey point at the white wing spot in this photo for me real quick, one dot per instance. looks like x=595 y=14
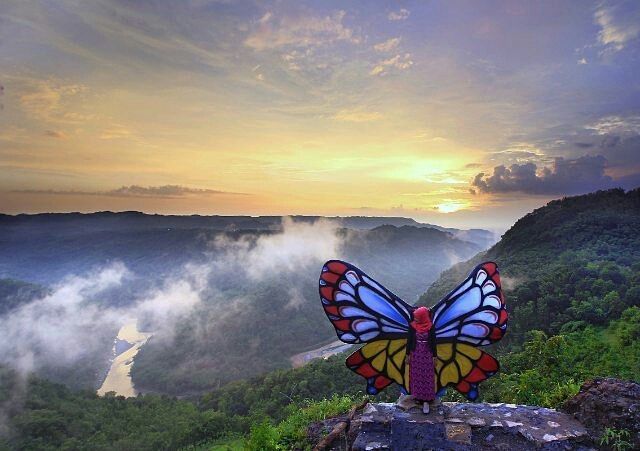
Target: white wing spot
x=352 y=277
x=481 y=277
x=488 y=287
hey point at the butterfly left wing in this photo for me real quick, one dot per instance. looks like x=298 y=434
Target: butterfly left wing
x=462 y=367
x=381 y=363
x=474 y=312
x=361 y=309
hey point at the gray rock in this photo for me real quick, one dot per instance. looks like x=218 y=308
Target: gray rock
x=466 y=426
x=608 y=402
x=602 y=402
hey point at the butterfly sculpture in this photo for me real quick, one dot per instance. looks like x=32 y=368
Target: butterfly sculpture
x=446 y=338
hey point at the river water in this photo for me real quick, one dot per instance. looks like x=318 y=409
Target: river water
x=119 y=376
x=323 y=352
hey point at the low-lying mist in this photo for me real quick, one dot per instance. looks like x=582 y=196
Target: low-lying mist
x=243 y=304
x=72 y=321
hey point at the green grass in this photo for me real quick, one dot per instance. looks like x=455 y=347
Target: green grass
x=290 y=433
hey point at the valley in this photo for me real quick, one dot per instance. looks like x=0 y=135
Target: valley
x=199 y=283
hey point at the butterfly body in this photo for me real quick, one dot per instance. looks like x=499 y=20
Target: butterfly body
x=421 y=369
x=401 y=341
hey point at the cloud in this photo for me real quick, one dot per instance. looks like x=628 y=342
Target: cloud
x=164 y=191
x=55 y=134
x=521 y=153
x=299 y=244
x=566 y=176
x=447 y=178
x=615 y=136
x=616 y=124
x=399 y=62
x=357 y=115
x=292 y=59
x=619 y=24
x=71 y=322
x=299 y=31
x=621 y=150
x=83 y=312
x=387 y=45
x=116 y=132
x=46 y=99
x=266 y=18
x=402 y=14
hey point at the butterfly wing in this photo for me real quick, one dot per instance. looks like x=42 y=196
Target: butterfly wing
x=360 y=309
x=474 y=312
x=463 y=367
x=381 y=363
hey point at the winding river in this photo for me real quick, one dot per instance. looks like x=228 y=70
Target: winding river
x=118 y=378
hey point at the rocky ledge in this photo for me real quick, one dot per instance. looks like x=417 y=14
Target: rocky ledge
x=463 y=426
x=601 y=403
x=608 y=403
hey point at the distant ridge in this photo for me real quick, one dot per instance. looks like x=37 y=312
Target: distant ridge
x=219 y=222
x=62 y=224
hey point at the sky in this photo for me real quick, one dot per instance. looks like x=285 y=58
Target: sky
x=459 y=113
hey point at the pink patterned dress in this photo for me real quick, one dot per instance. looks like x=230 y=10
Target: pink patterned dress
x=422 y=380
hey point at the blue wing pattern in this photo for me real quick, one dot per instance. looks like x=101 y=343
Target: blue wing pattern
x=360 y=309
x=474 y=312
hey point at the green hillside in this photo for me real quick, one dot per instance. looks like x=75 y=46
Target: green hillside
x=277 y=407
x=573 y=262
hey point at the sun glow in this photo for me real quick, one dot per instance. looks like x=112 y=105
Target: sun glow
x=451 y=206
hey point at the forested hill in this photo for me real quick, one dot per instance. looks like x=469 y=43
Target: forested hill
x=573 y=262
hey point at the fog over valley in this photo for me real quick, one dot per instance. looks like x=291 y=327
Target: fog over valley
x=222 y=297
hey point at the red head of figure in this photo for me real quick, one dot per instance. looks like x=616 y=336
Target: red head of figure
x=421 y=319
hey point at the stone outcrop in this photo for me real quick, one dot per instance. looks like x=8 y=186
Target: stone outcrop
x=601 y=403
x=460 y=426
x=608 y=403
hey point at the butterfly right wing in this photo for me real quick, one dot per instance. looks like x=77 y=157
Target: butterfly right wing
x=463 y=367
x=475 y=311
x=473 y=314
x=360 y=309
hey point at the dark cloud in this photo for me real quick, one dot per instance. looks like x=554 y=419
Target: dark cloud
x=621 y=151
x=473 y=165
x=565 y=176
x=165 y=191
x=610 y=141
x=616 y=138
x=162 y=191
